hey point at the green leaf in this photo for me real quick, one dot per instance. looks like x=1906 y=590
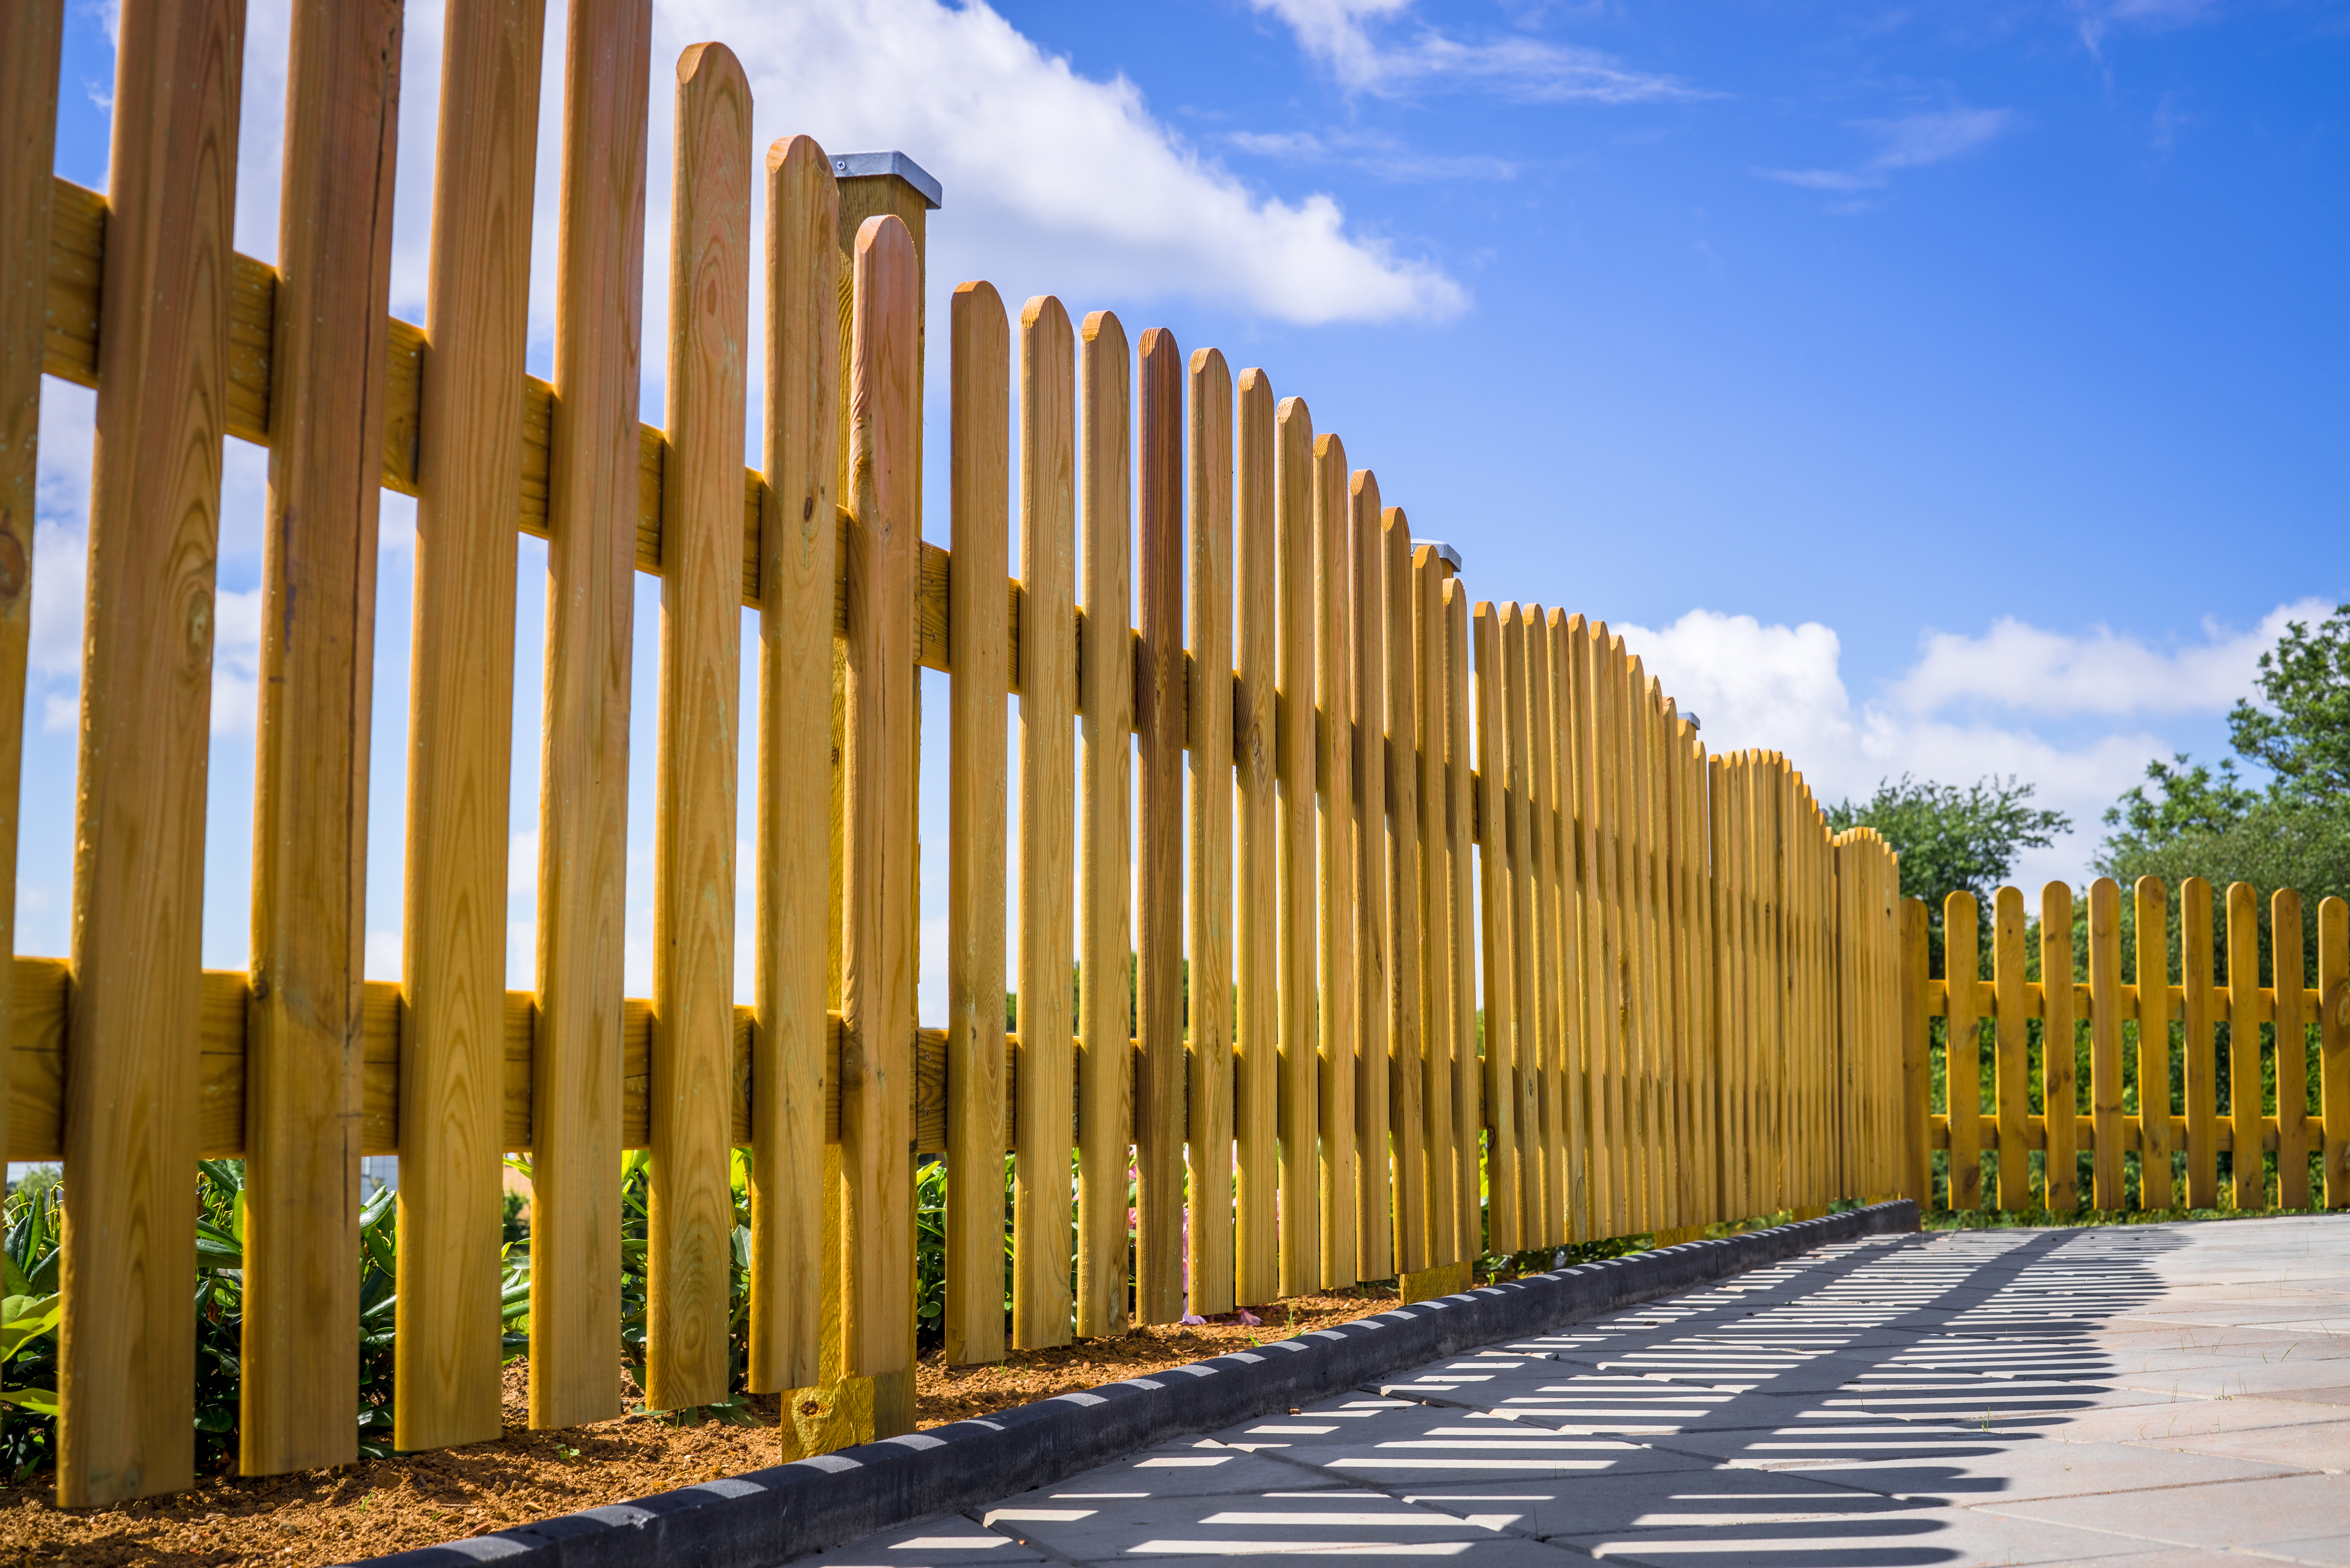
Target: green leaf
x=24 y=1318
x=39 y=1401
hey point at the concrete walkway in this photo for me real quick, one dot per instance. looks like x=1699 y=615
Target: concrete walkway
x=2143 y=1396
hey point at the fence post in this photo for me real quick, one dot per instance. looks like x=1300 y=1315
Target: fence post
x=1209 y=730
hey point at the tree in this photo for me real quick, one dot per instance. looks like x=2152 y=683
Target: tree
x=2191 y=798
x=1952 y=840
x=2302 y=736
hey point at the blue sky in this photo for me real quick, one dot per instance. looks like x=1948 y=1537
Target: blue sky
x=1946 y=388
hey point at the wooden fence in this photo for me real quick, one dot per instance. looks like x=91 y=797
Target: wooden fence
x=2150 y=1078
x=1364 y=802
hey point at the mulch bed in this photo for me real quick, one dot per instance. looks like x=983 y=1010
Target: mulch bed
x=318 y=1517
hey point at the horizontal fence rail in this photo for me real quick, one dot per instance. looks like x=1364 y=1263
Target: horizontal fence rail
x=1364 y=928
x=2147 y=1080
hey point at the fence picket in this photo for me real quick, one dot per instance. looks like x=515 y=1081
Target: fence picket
x=2105 y=1005
x=690 y=1229
x=1334 y=767
x=1963 y=1053
x=1300 y=1101
x=298 y=1392
x=1437 y=1044
x=2158 y=1130
x=1257 y=1100
x=2333 y=1043
x=1046 y=1078
x=2012 y=1065
x=2248 y=1181
x=1550 y=1100
x=797 y=545
x=980 y=401
x=2201 y=1076
x=1505 y=945
x=1407 y=924
x=1468 y=1117
x=2060 y=1102
x=1104 y=702
x=2292 y=1050
x=1375 y=993
x=1160 y=719
x=1210 y=733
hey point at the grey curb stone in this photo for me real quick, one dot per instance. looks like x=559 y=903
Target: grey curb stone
x=771 y=1516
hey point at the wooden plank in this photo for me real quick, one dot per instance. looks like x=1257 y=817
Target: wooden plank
x=1435 y=894
x=1691 y=1077
x=301 y=1092
x=1255 y=745
x=1961 y=925
x=2195 y=957
x=1642 y=1041
x=1376 y=1002
x=1468 y=1118
x=1106 y=697
x=1497 y=886
x=1917 y=1076
x=461 y=716
x=1048 y=666
x=880 y=757
x=2059 y=1099
x=2156 y=1122
x=2291 y=1051
x=2333 y=1044
x=126 y=1359
x=1294 y=569
x=591 y=503
x=1407 y=922
x=2012 y=1067
x=1584 y=987
x=1160 y=721
x=2249 y=1183
x=798 y=560
x=1557 y=939
x=1603 y=934
x=2106 y=1008
x=33 y=31
x=1209 y=498
x=1334 y=767
x=980 y=403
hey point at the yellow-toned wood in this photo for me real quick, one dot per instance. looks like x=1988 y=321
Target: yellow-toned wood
x=1334 y=767
x=1687 y=1152
x=1557 y=937
x=2154 y=1012
x=1584 y=987
x=980 y=411
x=2012 y=1067
x=2105 y=1042
x=1435 y=893
x=1442 y=1279
x=1256 y=750
x=798 y=921
x=2291 y=1051
x=2061 y=1103
x=301 y=1095
x=1498 y=886
x=590 y=499
x=689 y=1237
x=1293 y=727
x=1047 y=668
x=2249 y=1182
x=461 y=710
x=878 y=947
x=125 y=1357
x=1643 y=1040
x=1461 y=914
x=1917 y=1077
x=1408 y=923
x=2201 y=1013
x=1210 y=727
x=2333 y=1010
x=1375 y=991
x=1158 y=689
x=1105 y=877
x=1959 y=926
x=32 y=31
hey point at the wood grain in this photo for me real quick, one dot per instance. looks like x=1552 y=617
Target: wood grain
x=1429 y=721
x=1334 y=767
x=1041 y=1300
x=799 y=551
x=1963 y=1053
x=980 y=481
x=2201 y=1014
x=1559 y=959
x=2292 y=1050
x=125 y=1357
x=1537 y=1103
x=29 y=57
x=1497 y=887
x=1375 y=993
x=1106 y=698
x=461 y=716
x=1407 y=921
x=2011 y=1064
x=2249 y=1183
x=1255 y=744
x=1159 y=721
x=298 y=1392
x=1293 y=727
x=880 y=758
x=1209 y=500
x=1460 y=805
x=2104 y=1047
x=2060 y=1103
x=2152 y=967
x=690 y=1234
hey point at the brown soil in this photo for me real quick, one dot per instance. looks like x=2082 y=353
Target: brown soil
x=318 y=1517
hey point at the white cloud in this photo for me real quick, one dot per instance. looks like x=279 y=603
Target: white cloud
x=1340 y=33
x=1965 y=709
x=2098 y=17
x=1912 y=142
x=236 y=662
x=1369 y=152
x=2038 y=672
